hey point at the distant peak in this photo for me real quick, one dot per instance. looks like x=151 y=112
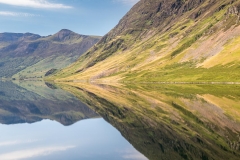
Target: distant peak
x=64 y=35
x=66 y=31
x=30 y=34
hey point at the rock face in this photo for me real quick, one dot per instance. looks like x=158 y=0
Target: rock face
x=158 y=38
x=150 y=14
x=24 y=51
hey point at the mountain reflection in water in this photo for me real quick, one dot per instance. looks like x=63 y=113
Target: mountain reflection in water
x=160 y=121
x=32 y=101
x=35 y=108
x=170 y=121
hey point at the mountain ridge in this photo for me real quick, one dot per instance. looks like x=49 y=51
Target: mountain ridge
x=20 y=53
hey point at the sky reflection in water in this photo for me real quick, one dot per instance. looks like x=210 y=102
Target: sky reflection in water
x=87 y=139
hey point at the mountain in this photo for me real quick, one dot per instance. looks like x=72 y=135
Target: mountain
x=166 y=40
x=34 y=101
x=29 y=55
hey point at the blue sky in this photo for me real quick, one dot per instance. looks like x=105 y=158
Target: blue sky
x=45 y=17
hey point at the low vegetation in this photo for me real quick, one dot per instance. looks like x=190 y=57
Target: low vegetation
x=183 y=41
x=30 y=56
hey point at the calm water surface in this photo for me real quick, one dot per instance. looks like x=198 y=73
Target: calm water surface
x=42 y=122
x=91 y=121
x=87 y=139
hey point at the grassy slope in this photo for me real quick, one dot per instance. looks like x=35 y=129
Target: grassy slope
x=32 y=58
x=39 y=69
x=205 y=48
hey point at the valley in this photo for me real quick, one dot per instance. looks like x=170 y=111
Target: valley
x=30 y=56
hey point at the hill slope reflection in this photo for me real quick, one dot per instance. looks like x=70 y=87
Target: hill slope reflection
x=28 y=102
x=170 y=121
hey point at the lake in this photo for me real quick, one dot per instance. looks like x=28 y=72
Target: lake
x=95 y=121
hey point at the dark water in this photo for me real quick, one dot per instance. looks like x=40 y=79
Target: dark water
x=82 y=121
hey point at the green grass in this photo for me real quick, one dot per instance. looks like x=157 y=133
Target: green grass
x=187 y=72
x=39 y=69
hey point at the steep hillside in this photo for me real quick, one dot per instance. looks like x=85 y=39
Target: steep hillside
x=30 y=55
x=166 y=40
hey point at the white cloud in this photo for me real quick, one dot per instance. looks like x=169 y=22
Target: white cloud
x=35 y=4
x=128 y=2
x=23 y=154
x=11 y=143
x=16 y=14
